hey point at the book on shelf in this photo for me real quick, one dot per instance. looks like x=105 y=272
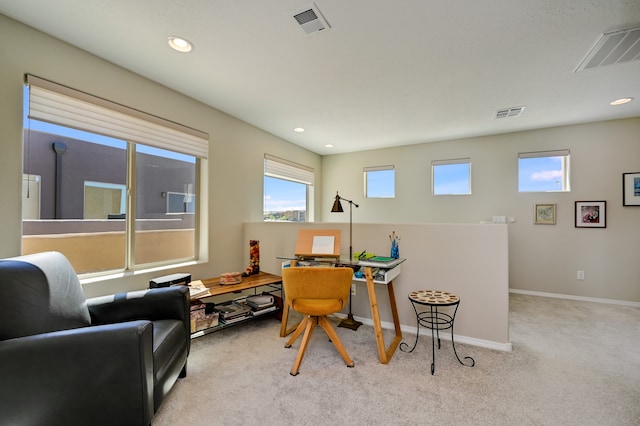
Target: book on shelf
x=260 y=301
x=380 y=262
x=263 y=311
x=232 y=310
x=197 y=291
x=235 y=318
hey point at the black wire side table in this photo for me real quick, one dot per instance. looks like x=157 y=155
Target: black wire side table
x=435 y=320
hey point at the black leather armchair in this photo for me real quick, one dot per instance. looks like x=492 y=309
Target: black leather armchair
x=65 y=360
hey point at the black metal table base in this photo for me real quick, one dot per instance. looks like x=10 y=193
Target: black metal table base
x=436 y=321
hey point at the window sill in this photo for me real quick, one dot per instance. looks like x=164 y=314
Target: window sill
x=94 y=278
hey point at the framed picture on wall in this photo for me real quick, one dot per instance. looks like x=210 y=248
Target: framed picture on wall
x=545 y=214
x=631 y=189
x=591 y=214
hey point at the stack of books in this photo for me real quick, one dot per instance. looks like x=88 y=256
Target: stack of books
x=233 y=312
x=380 y=262
x=261 y=304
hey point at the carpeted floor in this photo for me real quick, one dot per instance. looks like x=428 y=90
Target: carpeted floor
x=573 y=363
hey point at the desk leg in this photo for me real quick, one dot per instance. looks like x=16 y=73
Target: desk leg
x=384 y=354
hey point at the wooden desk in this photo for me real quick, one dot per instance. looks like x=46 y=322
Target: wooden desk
x=385 y=353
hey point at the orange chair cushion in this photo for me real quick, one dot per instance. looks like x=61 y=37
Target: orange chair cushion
x=317 y=307
x=317 y=283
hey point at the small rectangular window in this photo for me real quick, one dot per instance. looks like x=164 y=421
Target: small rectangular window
x=380 y=182
x=546 y=171
x=180 y=203
x=451 y=177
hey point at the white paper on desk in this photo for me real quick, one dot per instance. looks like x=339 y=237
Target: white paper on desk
x=322 y=244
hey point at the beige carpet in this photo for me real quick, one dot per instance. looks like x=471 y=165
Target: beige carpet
x=573 y=363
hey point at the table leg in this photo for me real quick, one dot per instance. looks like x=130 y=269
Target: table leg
x=385 y=354
x=434 y=325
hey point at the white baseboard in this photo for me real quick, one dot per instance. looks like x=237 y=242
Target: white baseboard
x=580 y=298
x=505 y=347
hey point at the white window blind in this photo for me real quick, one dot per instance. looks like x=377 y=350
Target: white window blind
x=539 y=154
x=378 y=168
x=453 y=161
x=288 y=170
x=53 y=103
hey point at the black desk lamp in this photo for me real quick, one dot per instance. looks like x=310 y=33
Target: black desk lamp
x=349 y=321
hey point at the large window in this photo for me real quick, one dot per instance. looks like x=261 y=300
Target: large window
x=380 y=182
x=545 y=171
x=451 y=177
x=288 y=191
x=116 y=191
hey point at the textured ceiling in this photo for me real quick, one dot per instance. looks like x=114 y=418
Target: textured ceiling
x=385 y=74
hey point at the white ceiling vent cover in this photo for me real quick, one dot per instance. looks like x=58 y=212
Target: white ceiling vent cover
x=613 y=48
x=311 y=20
x=510 y=112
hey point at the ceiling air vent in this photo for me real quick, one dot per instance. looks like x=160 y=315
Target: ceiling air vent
x=510 y=112
x=311 y=20
x=613 y=48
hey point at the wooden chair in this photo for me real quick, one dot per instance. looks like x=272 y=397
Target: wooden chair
x=316 y=293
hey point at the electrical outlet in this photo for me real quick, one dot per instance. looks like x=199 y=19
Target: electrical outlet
x=353 y=289
x=580 y=275
x=499 y=219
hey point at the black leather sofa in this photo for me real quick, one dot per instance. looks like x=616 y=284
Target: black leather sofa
x=66 y=360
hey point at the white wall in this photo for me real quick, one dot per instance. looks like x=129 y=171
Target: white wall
x=235 y=157
x=542 y=258
x=470 y=260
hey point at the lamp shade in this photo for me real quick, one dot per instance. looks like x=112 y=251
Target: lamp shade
x=337 y=207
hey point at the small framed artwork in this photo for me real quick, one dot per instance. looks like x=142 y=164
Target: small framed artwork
x=591 y=214
x=631 y=189
x=545 y=214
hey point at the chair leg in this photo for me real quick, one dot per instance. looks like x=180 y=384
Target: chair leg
x=311 y=324
x=299 y=330
x=326 y=325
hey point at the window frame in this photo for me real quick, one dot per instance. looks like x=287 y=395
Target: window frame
x=451 y=162
x=565 y=154
x=374 y=169
x=279 y=168
x=141 y=130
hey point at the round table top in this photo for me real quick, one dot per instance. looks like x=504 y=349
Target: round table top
x=433 y=297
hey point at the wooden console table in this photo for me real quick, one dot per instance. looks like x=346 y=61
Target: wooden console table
x=261 y=279
x=252 y=281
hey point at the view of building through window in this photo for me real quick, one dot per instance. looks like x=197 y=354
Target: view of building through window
x=76 y=201
x=284 y=200
x=288 y=189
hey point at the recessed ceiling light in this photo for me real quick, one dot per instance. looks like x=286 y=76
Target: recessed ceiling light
x=298 y=130
x=621 y=101
x=329 y=145
x=180 y=44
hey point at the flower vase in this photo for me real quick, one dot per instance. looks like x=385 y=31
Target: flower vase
x=395 y=249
